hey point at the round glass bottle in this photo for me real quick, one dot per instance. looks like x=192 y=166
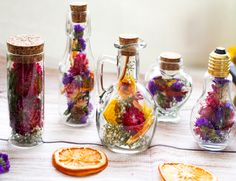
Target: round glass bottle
x=126 y=112
x=25 y=81
x=169 y=85
x=213 y=115
x=76 y=104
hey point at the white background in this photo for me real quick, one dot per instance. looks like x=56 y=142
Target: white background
x=190 y=27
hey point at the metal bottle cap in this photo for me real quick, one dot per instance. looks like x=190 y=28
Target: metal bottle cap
x=219 y=63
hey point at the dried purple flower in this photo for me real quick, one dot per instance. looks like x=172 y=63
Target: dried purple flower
x=67 y=78
x=82 y=44
x=70 y=105
x=220 y=81
x=78 y=28
x=179 y=98
x=219 y=113
x=229 y=106
x=4 y=163
x=202 y=122
x=152 y=87
x=177 y=85
x=83 y=119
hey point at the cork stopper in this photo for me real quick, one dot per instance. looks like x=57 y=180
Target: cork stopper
x=78 y=12
x=219 y=63
x=25 y=48
x=128 y=39
x=170 y=61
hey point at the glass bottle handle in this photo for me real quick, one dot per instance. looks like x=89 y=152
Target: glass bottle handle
x=100 y=66
x=68 y=24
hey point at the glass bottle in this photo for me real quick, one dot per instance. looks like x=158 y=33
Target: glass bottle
x=25 y=81
x=213 y=115
x=126 y=112
x=169 y=85
x=76 y=104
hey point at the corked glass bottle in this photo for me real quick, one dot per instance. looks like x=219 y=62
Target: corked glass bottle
x=76 y=104
x=126 y=112
x=213 y=115
x=169 y=85
x=25 y=78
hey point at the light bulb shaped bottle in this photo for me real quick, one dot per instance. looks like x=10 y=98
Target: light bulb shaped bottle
x=169 y=85
x=76 y=102
x=126 y=111
x=213 y=115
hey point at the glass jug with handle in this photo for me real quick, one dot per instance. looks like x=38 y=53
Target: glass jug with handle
x=125 y=114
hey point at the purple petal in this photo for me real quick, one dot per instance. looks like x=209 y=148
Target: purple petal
x=4 y=163
x=202 y=122
x=221 y=81
x=152 y=87
x=70 y=105
x=82 y=43
x=179 y=98
x=78 y=28
x=219 y=113
x=83 y=119
x=67 y=78
x=2 y=170
x=177 y=85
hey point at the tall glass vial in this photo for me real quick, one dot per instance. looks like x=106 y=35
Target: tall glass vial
x=77 y=70
x=169 y=85
x=213 y=115
x=25 y=78
x=126 y=112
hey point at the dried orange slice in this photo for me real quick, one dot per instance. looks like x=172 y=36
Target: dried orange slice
x=142 y=132
x=79 y=161
x=184 y=172
x=148 y=114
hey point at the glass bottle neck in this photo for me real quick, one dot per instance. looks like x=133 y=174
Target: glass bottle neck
x=79 y=37
x=219 y=86
x=168 y=68
x=80 y=30
x=128 y=66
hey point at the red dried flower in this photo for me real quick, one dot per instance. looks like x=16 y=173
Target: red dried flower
x=212 y=100
x=27 y=115
x=80 y=66
x=25 y=105
x=133 y=119
x=29 y=78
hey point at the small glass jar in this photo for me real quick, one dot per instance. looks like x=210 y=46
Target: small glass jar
x=25 y=81
x=169 y=85
x=213 y=115
x=76 y=100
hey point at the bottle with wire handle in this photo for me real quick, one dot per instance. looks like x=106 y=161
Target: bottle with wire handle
x=125 y=114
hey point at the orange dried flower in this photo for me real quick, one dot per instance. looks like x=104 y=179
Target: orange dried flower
x=126 y=87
